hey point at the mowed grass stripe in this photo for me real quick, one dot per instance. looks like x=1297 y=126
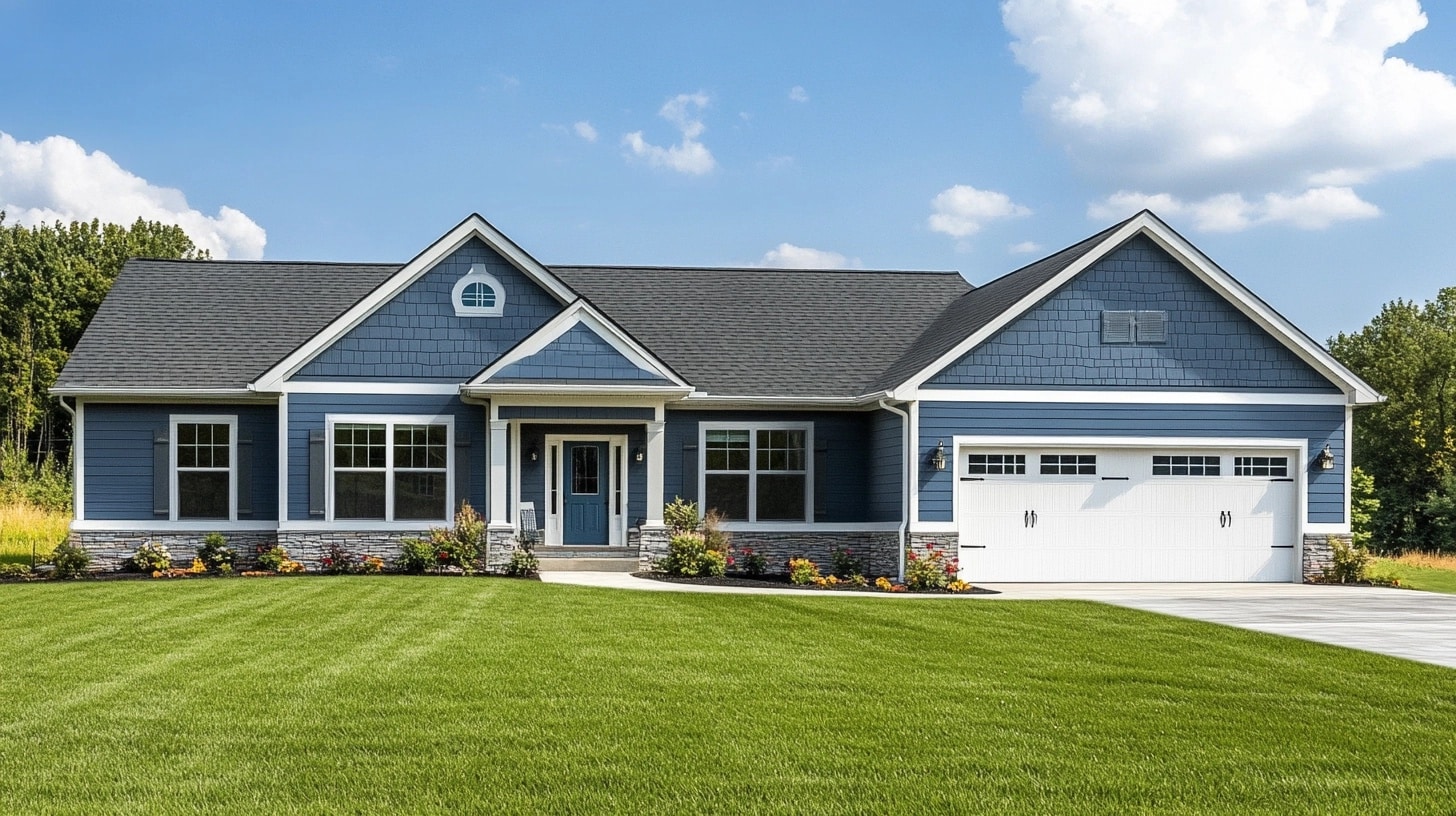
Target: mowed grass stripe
x=392 y=694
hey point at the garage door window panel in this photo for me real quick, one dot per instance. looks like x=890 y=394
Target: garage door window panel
x=1190 y=465
x=1267 y=466
x=996 y=464
x=1068 y=464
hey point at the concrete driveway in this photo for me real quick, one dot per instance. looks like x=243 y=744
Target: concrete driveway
x=1397 y=622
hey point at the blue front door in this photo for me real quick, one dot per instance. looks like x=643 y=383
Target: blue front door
x=585 y=519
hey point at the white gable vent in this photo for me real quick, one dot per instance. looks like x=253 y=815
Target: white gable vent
x=1135 y=327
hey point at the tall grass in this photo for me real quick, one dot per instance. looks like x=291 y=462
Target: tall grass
x=1428 y=560
x=27 y=530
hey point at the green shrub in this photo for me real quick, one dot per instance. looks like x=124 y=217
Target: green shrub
x=151 y=557
x=688 y=555
x=272 y=558
x=339 y=561
x=459 y=546
x=1363 y=506
x=21 y=571
x=751 y=563
x=845 y=564
x=415 y=556
x=802 y=571
x=931 y=570
x=70 y=561
x=681 y=516
x=1348 y=562
x=215 y=553
x=523 y=563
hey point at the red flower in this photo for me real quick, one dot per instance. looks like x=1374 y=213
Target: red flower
x=442 y=555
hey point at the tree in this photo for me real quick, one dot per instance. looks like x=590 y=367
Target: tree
x=1408 y=443
x=52 y=279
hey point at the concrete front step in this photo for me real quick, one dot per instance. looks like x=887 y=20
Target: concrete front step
x=587 y=559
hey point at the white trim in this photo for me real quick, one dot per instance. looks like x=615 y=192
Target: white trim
x=1072 y=395
x=515 y=465
x=514 y=390
x=172 y=394
x=283 y=457
x=357 y=526
x=388 y=421
x=370 y=387
x=551 y=529
x=581 y=313
x=1326 y=528
x=1357 y=390
x=811 y=527
x=472 y=227
x=914 y=463
x=1299 y=466
x=535 y=399
x=1349 y=456
x=78 y=459
x=478 y=274
x=160 y=526
x=230 y=420
x=705 y=400
x=753 y=471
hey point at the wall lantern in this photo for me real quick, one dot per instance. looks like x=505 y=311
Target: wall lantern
x=534 y=453
x=937 y=458
x=637 y=455
x=1326 y=459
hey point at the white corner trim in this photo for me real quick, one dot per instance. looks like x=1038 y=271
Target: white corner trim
x=282 y=512
x=78 y=460
x=478 y=274
x=1075 y=395
x=581 y=313
x=1358 y=391
x=472 y=227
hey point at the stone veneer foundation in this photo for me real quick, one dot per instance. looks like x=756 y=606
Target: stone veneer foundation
x=110 y=550
x=1319 y=554
x=878 y=550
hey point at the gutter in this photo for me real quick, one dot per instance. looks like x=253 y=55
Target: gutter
x=243 y=394
x=904 y=480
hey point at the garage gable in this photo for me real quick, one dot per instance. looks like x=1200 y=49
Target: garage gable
x=1136 y=318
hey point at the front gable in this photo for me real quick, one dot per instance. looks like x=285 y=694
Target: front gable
x=418 y=336
x=1059 y=342
x=579 y=355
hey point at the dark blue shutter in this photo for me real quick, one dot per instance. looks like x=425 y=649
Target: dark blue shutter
x=245 y=474
x=821 y=481
x=161 y=473
x=316 y=472
x=688 y=490
x=462 y=468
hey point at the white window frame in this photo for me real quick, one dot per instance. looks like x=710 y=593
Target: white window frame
x=478 y=274
x=753 y=428
x=389 y=421
x=230 y=420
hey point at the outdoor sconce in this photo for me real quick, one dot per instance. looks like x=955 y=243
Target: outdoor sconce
x=534 y=453
x=637 y=455
x=1326 y=459
x=937 y=458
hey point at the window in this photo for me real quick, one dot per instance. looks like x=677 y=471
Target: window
x=203 y=454
x=479 y=294
x=1185 y=465
x=757 y=473
x=391 y=470
x=1276 y=466
x=996 y=463
x=1127 y=327
x=1068 y=464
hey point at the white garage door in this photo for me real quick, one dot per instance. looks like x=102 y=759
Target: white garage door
x=1121 y=514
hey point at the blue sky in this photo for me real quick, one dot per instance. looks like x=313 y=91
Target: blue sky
x=1306 y=147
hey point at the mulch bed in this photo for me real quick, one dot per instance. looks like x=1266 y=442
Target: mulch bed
x=782 y=582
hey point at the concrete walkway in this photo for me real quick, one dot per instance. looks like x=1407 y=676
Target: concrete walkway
x=1397 y=622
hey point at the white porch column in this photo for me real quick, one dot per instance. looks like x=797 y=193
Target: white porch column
x=499 y=432
x=655 y=453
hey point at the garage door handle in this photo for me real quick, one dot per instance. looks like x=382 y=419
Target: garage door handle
x=1025 y=518
x=1033 y=518
x=1223 y=518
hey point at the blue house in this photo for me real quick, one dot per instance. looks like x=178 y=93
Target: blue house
x=1122 y=410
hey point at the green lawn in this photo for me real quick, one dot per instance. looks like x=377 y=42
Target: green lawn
x=437 y=695
x=1412 y=576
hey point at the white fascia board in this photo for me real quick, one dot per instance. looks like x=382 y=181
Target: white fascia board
x=1357 y=390
x=472 y=227
x=615 y=399
x=513 y=390
x=581 y=313
x=701 y=399
x=165 y=394
x=1072 y=395
x=372 y=387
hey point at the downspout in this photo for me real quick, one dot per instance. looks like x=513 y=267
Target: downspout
x=75 y=494
x=904 y=480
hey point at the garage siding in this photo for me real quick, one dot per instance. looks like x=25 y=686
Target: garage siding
x=1320 y=424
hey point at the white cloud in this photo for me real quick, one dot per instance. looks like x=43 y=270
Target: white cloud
x=689 y=155
x=1314 y=209
x=1024 y=248
x=585 y=130
x=56 y=179
x=798 y=94
x=788 y=256
x=963 y=210
x=1244 y=111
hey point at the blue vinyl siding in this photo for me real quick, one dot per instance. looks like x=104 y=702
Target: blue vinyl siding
x=587 y=412
x=533 y=474
x=578 y=355
x=841 y=473
x=118 y=456
x=308 y=411
x=417 y=336
x=1320 y=424
x=886 y=460
x=1058 y=343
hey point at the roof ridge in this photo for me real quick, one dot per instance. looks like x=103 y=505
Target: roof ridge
x=776 y=269
x=235 y=261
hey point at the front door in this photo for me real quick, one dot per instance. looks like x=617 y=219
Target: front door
x=585 y=518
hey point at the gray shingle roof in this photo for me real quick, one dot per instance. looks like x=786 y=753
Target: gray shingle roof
x=973 y=310
x=210 y=324
x=770 y=332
